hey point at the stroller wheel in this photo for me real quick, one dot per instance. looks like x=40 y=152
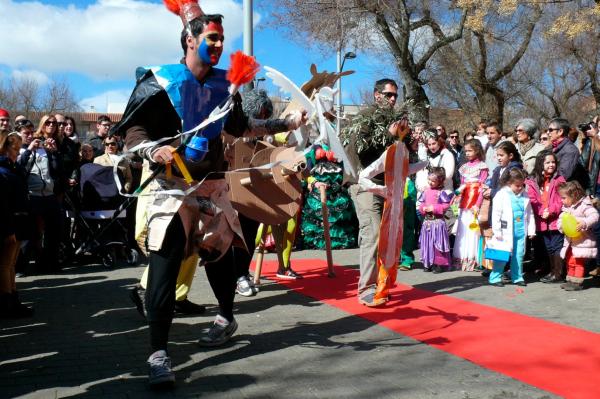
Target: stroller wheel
x=109 y=258
x=133 y=257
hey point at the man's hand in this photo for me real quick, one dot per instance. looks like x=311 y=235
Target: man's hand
x=296 y=119
x=399 y=128
x=164 y=154
x=35 y=144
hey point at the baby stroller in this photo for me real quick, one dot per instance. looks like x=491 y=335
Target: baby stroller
x=99 y=218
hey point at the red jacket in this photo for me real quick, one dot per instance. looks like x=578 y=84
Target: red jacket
x=554 y=203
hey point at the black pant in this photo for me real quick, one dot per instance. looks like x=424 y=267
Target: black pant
x=242 y=258
x=162 y=278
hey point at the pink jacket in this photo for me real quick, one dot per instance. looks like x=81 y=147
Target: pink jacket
x=440 y=199
x=585 y=245
x=554 y=203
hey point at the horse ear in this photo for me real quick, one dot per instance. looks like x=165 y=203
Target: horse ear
x=313 y=69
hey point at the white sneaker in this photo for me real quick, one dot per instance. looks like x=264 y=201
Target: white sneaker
x=244 y=287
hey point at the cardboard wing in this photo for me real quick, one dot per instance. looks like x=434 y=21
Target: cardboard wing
x=271 y=196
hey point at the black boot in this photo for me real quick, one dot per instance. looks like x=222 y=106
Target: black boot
x=556 y=270
x=12 y=308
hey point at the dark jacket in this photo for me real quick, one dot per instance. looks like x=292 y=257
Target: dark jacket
x=97 y=144
x=590 y=158
x=14 y=201
x=569 y=165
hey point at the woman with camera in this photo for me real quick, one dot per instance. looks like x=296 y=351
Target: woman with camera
x=42 y=163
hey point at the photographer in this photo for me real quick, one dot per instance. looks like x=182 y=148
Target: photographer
x=590 y=158
x=42 y=163
x=590 y=153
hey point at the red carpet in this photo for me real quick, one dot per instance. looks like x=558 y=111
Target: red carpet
x=553 y=357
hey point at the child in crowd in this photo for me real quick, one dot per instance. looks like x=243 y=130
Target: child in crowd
x=472 y=176
x=512 y=222
x=542 y=189
x=508 y=158
x=577 y=249
x=434 y=240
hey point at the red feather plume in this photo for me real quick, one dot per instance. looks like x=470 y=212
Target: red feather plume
x=173 y=6
x=243 y=69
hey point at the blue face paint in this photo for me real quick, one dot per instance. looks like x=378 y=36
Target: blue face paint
x=203 y=52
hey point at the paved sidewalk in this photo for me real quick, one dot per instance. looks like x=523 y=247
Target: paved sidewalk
x=87 y=340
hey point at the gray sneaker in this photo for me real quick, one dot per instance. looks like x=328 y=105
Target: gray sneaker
x=160 y=372
x=220 y=332
x=244 y=287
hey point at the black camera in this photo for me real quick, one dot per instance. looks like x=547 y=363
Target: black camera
x=584 y=127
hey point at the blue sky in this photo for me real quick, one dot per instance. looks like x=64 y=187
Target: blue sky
x=95 y=46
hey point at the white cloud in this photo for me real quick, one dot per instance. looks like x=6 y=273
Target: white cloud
x=106 y=40
x=40 y=77
x=109 y=101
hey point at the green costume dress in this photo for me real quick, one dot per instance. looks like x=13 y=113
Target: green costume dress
x=343 y=225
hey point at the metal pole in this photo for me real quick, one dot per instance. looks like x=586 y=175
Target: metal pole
x=339 y=93
x=248 y=32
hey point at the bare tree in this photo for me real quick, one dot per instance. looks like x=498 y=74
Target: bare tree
x=371 y=25
x=25 y=96
x=475 y=69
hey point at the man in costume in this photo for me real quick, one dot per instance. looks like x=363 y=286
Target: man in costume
x=173 y=98
x=396 y=166
x=365 y=139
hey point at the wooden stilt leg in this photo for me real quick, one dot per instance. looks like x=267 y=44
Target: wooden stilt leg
x=260 y=256
x=325 y=210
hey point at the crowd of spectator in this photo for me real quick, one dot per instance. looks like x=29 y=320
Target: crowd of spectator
x=40 y=165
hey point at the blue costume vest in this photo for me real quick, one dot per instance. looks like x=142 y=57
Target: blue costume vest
x=192 y=100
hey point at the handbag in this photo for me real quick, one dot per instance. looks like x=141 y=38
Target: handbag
x=497 y=250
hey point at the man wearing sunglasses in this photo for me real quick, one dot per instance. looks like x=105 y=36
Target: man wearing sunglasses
x=364 y=145
x=102 y=127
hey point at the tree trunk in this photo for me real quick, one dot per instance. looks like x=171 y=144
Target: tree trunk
x=415 y=97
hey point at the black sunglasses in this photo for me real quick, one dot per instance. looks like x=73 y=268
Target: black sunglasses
x=111 y=143
x=453 y=137
x=389 y=94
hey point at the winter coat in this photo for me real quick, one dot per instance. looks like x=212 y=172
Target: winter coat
x=445 y=160
x=14 y=201
x=569 y=165
x=42 y=168
x=529 y=157
x=554 y=203
x=502 y=216
x=583 y=246
x=590 y=158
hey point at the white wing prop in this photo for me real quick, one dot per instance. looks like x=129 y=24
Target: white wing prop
x=287 y=86
x=324 y=102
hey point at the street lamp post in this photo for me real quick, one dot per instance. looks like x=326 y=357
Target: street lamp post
x=340 y=67
x=257 y=82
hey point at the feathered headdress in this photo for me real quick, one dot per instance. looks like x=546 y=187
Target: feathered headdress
x=186 y=9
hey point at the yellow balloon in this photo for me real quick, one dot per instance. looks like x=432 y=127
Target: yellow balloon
x=569 y=225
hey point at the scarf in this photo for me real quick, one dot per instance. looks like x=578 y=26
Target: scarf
x=523 y=148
